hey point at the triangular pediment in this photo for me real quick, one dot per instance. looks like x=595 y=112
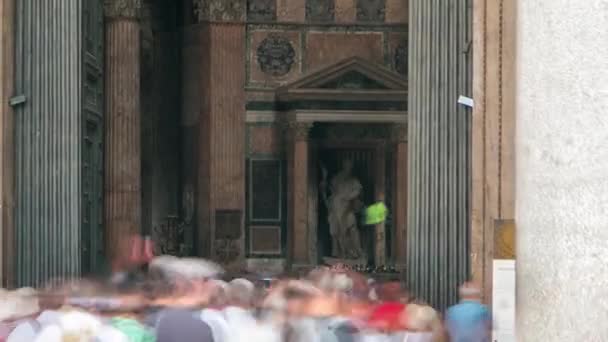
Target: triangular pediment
x=353 y=74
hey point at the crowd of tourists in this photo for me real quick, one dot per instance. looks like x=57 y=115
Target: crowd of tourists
x=188 y=299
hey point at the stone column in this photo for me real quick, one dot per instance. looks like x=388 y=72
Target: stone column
x=399 y=238
x=122 y=122
x=297 y=188
x=438 y=149
x=562 y=167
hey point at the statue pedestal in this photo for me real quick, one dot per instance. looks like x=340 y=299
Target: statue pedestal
x=347 y=262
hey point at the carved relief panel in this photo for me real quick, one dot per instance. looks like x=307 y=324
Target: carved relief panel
x=275 y=55
x=371 y=10
x=320 y=10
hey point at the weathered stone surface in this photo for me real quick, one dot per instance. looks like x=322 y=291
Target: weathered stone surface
x=562 y=163
x=326 y=48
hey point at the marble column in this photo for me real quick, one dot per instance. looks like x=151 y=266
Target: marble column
x=561 y=170
x=399 y=238
x=122 y=122
x=297 y=188
x=438 y=149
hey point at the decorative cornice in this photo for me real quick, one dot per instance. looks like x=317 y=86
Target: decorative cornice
x=128 y=9
x=220 y=10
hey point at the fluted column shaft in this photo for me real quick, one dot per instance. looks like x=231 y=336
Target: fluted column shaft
x=439 y=148
x=122 y=123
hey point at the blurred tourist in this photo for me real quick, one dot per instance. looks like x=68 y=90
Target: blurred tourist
x=469 y=320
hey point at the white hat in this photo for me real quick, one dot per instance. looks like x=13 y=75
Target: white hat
x=190 y=268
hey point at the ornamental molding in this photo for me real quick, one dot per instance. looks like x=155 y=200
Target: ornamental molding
x=297 y=131
x=220 y=10
x=276 y=55
x=128 y=9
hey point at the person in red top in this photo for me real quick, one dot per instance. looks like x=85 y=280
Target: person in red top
x=388 y=317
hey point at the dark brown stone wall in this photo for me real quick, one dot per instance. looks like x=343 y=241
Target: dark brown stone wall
x=214 y=103
x=226 y=115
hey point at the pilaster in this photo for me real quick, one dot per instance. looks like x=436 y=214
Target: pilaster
x=297 y=178
x=122 y=122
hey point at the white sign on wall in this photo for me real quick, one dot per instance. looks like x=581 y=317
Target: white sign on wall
x=503 y=301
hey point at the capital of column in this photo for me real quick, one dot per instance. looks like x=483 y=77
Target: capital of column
x=128 y=9
x=297 y=131
x=398 y=133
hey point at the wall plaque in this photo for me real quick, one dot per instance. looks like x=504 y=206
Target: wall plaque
x=265 y=190
x=504 y=239
x=265 y=240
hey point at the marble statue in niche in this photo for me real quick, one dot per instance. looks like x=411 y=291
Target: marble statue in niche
x=343 y=202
